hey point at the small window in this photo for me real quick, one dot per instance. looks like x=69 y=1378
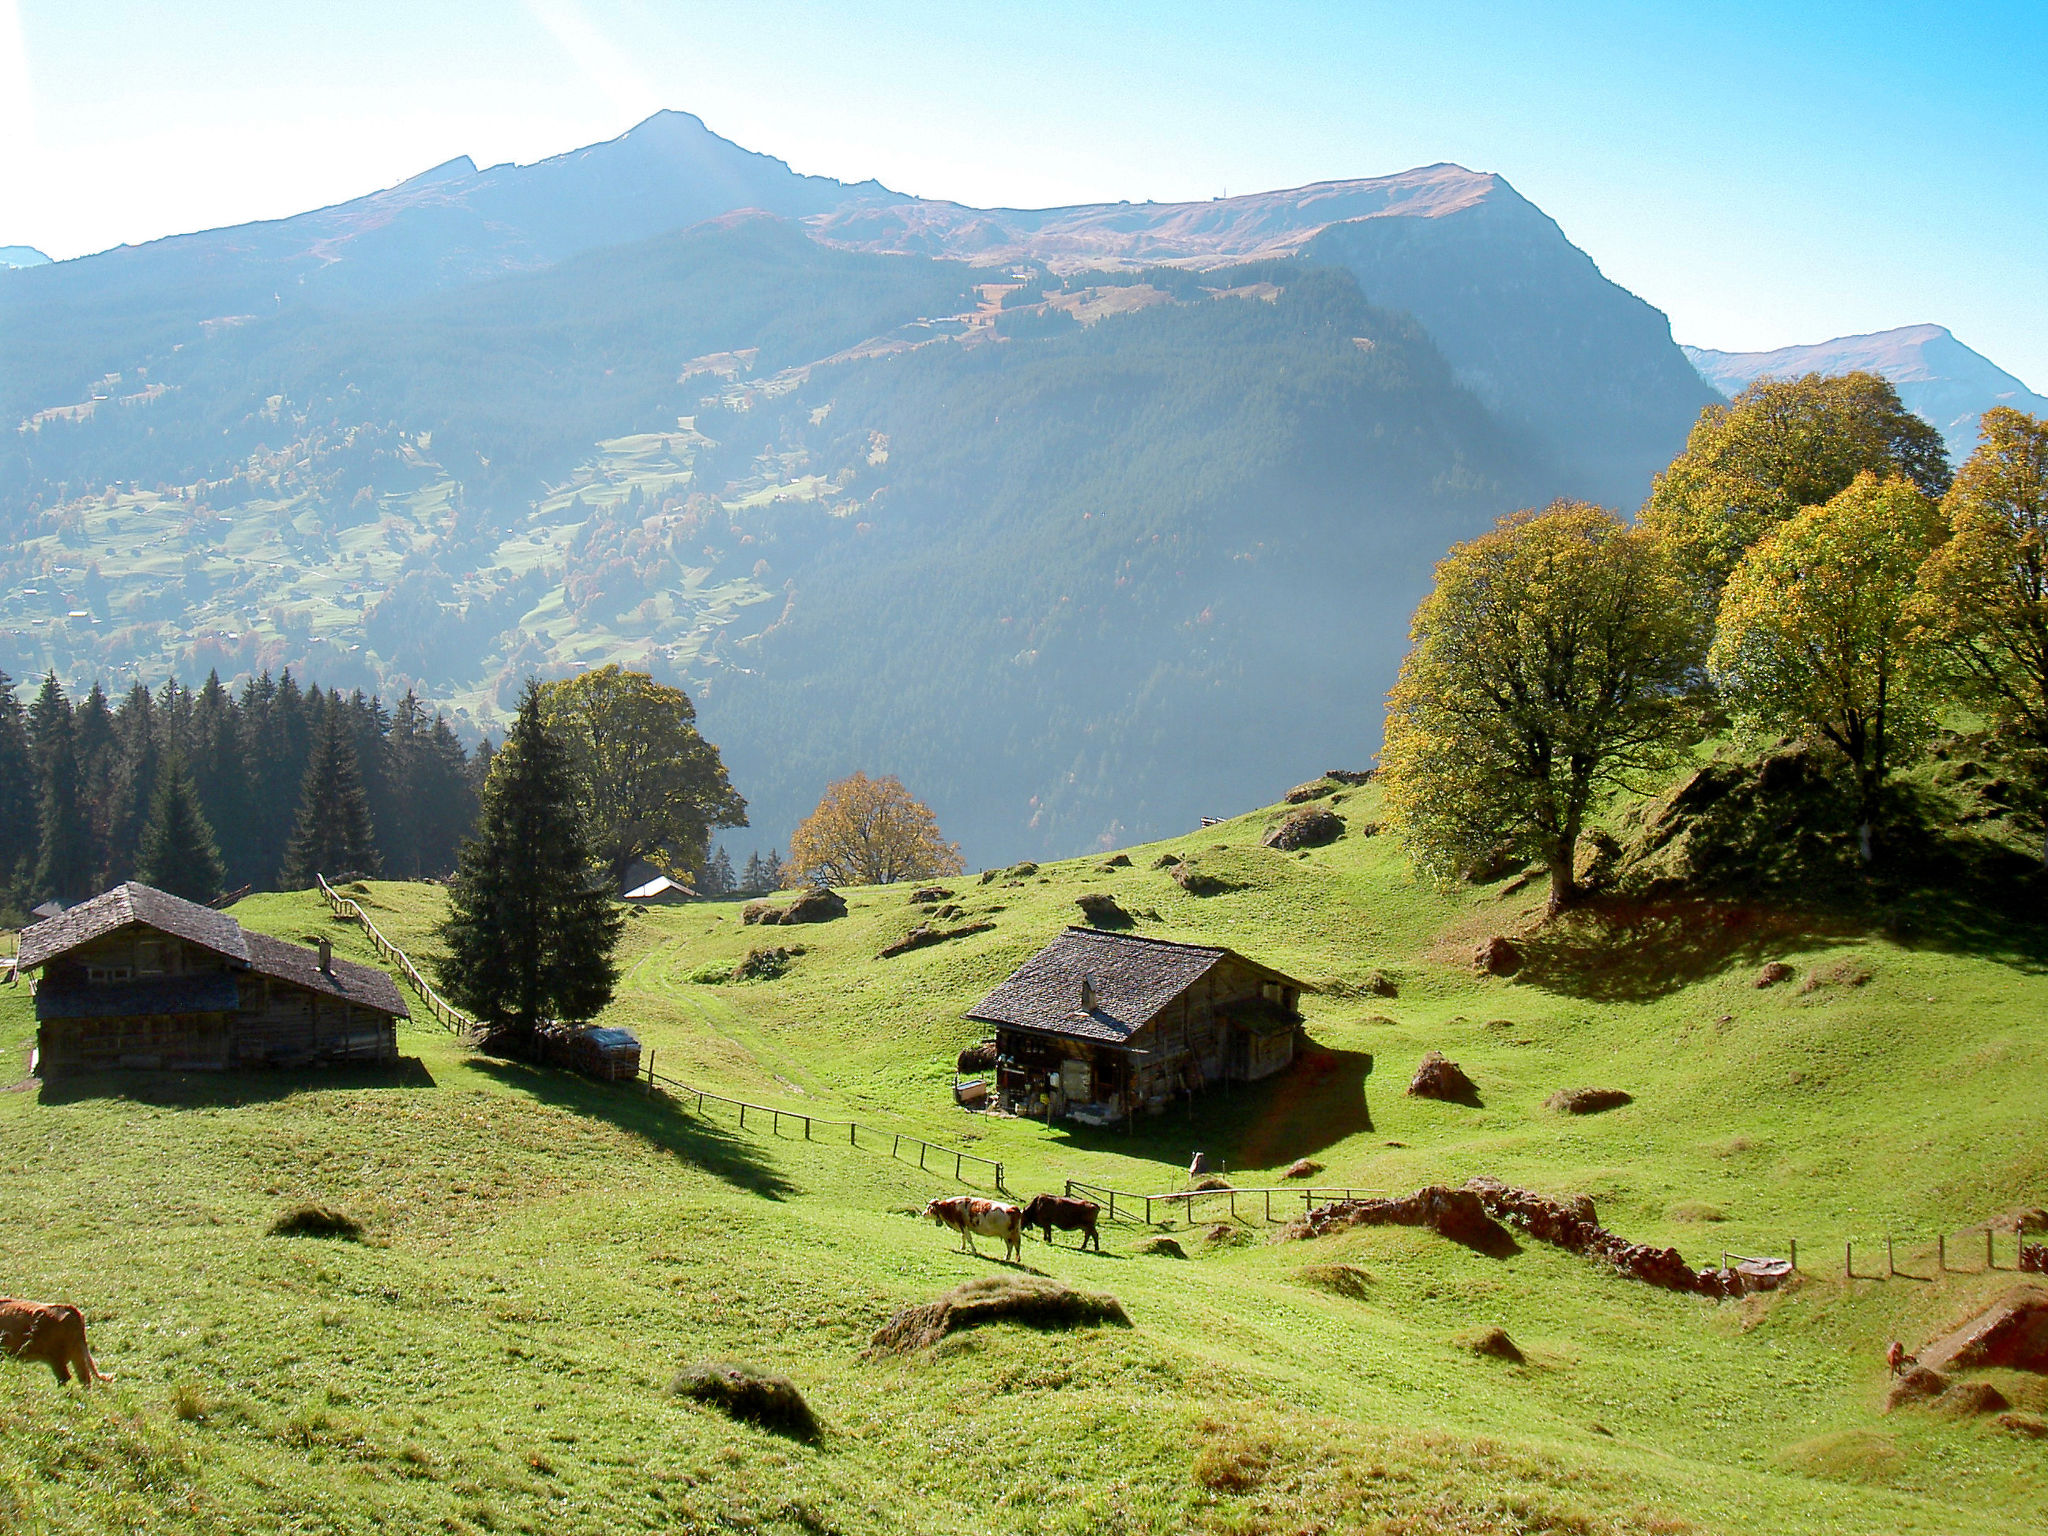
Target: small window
x=106 y=973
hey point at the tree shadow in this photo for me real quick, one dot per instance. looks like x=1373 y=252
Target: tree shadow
x=226 y=1090
x=1317 y=1102
x=653 y=1117
x=1617 y=949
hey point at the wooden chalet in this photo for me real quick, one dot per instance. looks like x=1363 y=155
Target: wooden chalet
x=136 y=978
x=1099 y=1026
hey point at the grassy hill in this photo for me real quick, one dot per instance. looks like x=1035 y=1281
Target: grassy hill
x=543 y=1253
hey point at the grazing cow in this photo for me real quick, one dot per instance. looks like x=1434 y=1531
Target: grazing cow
x=52 y=1332
x=1896 y=1357
x=1048 y=1211
x=969 y=1216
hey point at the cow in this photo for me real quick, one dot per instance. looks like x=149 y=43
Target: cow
x=969 y=1215
x=1896 y=1357
x=1048 y=1211
x=52 y=1332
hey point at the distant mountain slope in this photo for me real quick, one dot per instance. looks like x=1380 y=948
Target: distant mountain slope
x=1584 y=367
x=1947 y=383
x=22 y=256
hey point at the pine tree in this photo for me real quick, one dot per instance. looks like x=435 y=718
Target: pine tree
x=139 y=764
x=99 y=758
x=219 y=767
x=333 y=835
x=771 y=871
x=65 y=864
x=178 y=852
x=18 y=831
x=753 y=874
x=718 y=877
x=528 y=937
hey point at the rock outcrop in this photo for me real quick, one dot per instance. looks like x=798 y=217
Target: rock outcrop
x=820 y=904
x=1310 y=827
x=1457 y=1214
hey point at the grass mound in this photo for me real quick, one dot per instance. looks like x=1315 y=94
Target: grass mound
x=310 y=1220
x=1160 y=1246
x=1022 y=1299
x=1347 y=1280
x=751 y=1396
x=1494 y=1344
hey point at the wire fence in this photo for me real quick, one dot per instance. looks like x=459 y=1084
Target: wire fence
x=443 y=1011
x=1259 y=1201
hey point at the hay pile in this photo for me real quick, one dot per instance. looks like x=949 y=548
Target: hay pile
x=1441 y=1078
x=820 y=904
x=749 y=1395
x=1034 y=1302
x=1160 y=1246
x=1348 y=1280
x=1495 y=1344
x=1102 y=910
x=1587 y=1101
x=310 y=1220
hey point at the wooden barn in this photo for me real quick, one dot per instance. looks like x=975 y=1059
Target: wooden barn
x=136 y=978
x=1098 y=1026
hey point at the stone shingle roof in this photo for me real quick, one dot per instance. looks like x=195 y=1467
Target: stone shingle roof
x=1131 y=978
x=132 y=903
x=364 y=985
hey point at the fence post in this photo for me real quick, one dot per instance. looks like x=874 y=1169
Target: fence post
x=852 y=1133
x=1269 y=1207
x=1941 y=1252
x=999 y=1178
x=956 y=1169
x=896 y=1146
x=1848 y=1261
x=1890 y=1268
x=1795 y=1255
x=1987 y=1247
x=921 y=1150
x=743 y=1116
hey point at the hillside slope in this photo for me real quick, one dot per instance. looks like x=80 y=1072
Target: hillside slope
x=545 y=1252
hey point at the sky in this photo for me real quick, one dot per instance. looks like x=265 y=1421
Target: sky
x=1766 y=173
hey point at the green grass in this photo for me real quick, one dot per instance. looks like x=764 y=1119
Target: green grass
x=542 y=1255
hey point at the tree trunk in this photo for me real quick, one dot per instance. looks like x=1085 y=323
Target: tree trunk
x=1564 y=885
x=1863 y=842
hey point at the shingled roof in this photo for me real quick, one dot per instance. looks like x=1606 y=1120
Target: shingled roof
x=132 y=903
x=365 y=985
x=1130 y=979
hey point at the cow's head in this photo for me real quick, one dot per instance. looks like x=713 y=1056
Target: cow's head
x=938 y=1210
x=1037 y=1204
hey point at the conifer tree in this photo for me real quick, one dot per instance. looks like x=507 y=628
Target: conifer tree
x=65 y=866
x=18 y=831
x=219 y=768
x=333 y=835
x=138 y=765
x=178 y=851
x=772 y=873
x=529 y=938
x=753 y=877
x=718 y=876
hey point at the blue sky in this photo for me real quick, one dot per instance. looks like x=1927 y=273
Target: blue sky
x=1766 y=174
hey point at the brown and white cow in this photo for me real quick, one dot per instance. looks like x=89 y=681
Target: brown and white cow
x=1068 y=1214
x=52 y=1332
x=970 y=1215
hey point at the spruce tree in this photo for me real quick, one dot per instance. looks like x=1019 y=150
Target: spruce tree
x=139 y=737
x=528 y=937
x=333 y=835
x=718 y=876
x=178 y=851
x=65 y=863
x=753 y=878
x=219 y=766
x=18 y=801
x=771 y=871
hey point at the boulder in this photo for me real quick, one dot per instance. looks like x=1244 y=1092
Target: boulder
x=1302 y=1168
x=929 y=893
x=1310 y=827
x=1351 y=776
x=1498 y=956
x=1772 y=974
x=1314 y=789
x=1587 y=1101
x=1102 y=911
x=2011 y=1333
x=1116 y=861
x=819 y=904
x=1441 y=1078
x=1196 y=883
x=1167 y=861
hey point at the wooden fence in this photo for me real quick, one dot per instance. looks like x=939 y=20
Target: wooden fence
x=442 y=1010
x=930 y=1155
x=1259 y=1200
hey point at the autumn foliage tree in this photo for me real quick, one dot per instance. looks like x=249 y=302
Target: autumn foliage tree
x=1555 y=660
x=1778 y=447
x=869 y=832
x=1982 y=603
x=1815 y=636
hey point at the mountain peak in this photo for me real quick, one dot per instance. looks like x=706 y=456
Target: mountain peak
x=22 y=256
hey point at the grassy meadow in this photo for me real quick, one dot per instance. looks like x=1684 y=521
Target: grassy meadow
x=542 y=1254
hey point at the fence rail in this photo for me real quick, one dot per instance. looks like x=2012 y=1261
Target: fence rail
x=1261 y=1199
x=444 y=1012
x=930 y=1154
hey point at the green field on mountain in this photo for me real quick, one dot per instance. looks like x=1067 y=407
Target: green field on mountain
x=542 y=1254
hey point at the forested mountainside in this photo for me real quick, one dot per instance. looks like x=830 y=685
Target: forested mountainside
x=1149 y=533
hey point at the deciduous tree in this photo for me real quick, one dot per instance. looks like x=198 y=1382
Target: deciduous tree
x=1815 y=637
x=869 y=832
x=649 y=786
x=529 y=937
x=1982 y=602
x=1779 y=446
x=1554 y=661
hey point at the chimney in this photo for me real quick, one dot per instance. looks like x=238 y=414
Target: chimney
x=327 y=956
x=1087 y=993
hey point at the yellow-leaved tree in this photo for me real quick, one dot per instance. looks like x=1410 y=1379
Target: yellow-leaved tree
x=1780 y=446
x=1815 y=637
x=1982 y=603
x=869 y=832
x=1556 y=660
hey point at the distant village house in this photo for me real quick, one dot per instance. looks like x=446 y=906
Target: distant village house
x=137 y=978
x=1099 y=1026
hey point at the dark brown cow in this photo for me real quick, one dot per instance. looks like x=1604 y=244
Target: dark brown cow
x=1070 y=1215
x=52 y=1332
